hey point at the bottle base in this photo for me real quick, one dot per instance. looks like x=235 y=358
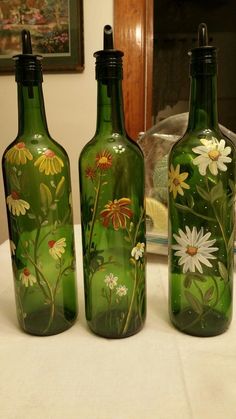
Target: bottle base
x=39 y=323
x=111 y=327
x=208 y=324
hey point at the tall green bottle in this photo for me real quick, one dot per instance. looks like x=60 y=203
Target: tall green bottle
x=201 y=208
x=111 y=169
x=38 y=196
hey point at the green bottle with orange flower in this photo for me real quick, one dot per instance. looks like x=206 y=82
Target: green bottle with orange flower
x=201 y=208
x=111 y=168
x=39 y=208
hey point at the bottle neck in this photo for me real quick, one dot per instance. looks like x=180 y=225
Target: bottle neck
x=203 y=103
x=110 y=114
x=31 y=111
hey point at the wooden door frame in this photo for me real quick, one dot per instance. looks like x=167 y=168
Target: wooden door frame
x=133 y=34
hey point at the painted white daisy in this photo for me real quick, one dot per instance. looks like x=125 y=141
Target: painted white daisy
x=121 y=290
x=57 y=248
x=111 y=281
x=138 y=251
x=16 y=205
x=212 y=154
x=27 y=278
x=194 y=249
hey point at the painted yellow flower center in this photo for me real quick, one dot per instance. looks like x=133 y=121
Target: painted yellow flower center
x=214 y=155
x=103 y=160
x=115 y=207
x=191 y=250
x=49 y=153
x=176 y=181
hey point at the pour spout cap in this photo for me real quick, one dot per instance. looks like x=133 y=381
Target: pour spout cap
x=28 y=65
x=26 y=42
x=108 y=37
x=202 y=35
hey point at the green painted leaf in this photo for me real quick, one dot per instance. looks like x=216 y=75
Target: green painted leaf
x=45 y=195
x=31 y=216
x=182 y=207
x=217 y=192
x=232 y=185
x=14 y=181
x=190 y=201
x=204 y=194
x=197 y=277
x=208 y=294
x=223 y=271
x=60 y=188
x=231 y=240
x=194 y=302
x=187 y=281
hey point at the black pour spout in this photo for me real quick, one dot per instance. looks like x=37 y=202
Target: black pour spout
x=202 y=35
x=26 y=42
x=108 y=37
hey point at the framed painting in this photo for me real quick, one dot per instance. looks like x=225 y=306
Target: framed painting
x=56 y=28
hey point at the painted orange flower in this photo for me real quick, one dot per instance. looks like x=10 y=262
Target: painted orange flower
x=90 y=173
x=104 y=160
x=18 y=154
x=49 y=163
x=117 y=212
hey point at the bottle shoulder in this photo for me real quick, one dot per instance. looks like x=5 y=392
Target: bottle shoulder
x=35 y=144
x=207 y=137
x=116 y=144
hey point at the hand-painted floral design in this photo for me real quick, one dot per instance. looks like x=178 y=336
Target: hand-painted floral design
x=18 y=154
x=117 y=212
x=138 y=251
x=90 y=173
x=121 y=290
x=194 y=248
x=49 y=163
x=27 y=278
x=111 y=281
x=176 y=181
x=12 y=247
x=102 y=209
x=213 y=155
x=16 y=205
x=57 y=248
x=104 y=160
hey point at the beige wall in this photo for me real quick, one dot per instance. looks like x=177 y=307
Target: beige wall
x=70 y=101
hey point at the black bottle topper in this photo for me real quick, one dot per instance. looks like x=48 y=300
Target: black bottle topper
x=28 y=65
x=108 y=60
x=203 y=57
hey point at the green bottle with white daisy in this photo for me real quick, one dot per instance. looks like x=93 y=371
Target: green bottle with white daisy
x=201 y=208
x=111 y=168
x=37 y=184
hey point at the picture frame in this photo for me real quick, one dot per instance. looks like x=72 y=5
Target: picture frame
x=56 y=28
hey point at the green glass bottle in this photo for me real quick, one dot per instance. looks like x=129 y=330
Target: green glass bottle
x=38 y=196
x=111 y=168
x=201 y=208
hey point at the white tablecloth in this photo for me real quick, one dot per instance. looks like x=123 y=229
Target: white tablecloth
x=158 y=373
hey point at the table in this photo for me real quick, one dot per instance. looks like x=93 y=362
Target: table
x=158 y=373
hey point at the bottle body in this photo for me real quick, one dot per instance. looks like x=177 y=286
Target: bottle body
x=201 y=232
x=113 y=229
x=38 y=196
